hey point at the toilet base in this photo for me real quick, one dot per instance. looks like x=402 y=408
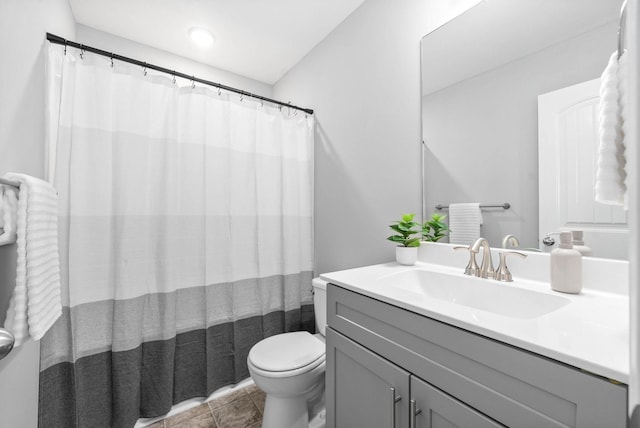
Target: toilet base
x=285 y=412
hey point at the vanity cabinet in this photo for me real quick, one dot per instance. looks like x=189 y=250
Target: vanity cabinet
x=369 y=391
x=455 y=378
x=430 y=407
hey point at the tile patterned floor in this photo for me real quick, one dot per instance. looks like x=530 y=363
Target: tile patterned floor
x=242 y=408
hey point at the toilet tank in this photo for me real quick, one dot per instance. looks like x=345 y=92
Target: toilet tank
x=320 y=304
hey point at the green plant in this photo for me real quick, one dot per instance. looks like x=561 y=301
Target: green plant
x=435 y=229
x=405 y=230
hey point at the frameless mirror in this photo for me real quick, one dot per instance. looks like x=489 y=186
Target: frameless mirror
x=482 y=76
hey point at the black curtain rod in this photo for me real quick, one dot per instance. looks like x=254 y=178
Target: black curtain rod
x=61 y=41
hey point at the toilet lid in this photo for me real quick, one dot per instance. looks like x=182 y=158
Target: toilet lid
x=288 y=351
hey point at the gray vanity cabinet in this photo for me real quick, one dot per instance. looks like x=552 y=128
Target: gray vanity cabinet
x=455 y=377
x=372 y=392
x=369 y=391
x=435 y=409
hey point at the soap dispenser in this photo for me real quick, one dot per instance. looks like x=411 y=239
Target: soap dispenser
x=566 y=266
x=577 y=239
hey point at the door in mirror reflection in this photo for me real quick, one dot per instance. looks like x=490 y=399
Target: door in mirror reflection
x=568 y=148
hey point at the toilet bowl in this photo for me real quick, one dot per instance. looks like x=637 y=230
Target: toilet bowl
x=290 y=369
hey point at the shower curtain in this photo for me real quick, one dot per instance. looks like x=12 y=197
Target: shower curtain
x=185 y=237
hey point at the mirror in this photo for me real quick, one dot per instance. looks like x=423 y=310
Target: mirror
x=482 y=74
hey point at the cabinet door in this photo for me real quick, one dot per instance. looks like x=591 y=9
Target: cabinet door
x=361 y=387
x=435 y=409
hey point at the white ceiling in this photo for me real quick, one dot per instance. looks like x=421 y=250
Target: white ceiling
x=260 y=39
x=495 y=32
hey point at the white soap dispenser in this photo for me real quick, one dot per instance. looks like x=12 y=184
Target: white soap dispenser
x=577 y=239
x=566 y=266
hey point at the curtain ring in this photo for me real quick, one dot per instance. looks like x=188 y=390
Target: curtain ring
x=81 y=51
x=262 y=103
x=174 y=77
x=144 y=69
x=219 y=91
x=193 y=82
x=111 y=59
x=241 y=97
x=65 y=47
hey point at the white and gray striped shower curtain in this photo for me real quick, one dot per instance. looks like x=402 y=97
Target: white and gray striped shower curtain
x=186 y=224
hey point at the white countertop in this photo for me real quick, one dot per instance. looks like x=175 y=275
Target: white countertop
x=591 y=332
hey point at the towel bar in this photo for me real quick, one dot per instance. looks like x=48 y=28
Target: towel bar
x=506 y=206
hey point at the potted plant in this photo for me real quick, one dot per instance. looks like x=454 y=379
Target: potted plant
x=434 y=229
x=407 y=249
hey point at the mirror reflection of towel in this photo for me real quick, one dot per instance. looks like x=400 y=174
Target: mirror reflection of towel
x=464 y=223
x=611 y=175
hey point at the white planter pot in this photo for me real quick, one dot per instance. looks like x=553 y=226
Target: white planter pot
x=406 y=255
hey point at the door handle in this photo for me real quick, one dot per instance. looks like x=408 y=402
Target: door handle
x=394 y=400
x=414 y=412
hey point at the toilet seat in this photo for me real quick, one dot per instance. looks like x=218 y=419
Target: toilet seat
x=287 y=354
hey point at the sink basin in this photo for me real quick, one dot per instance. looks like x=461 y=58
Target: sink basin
x=484 y=294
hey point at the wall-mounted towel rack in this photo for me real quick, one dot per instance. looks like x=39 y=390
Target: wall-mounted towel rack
x=506 y=206
x=621 y=28
x=9 y=183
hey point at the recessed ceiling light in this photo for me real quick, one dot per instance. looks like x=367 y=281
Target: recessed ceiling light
x=201 y=36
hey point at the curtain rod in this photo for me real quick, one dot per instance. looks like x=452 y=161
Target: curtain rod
x=61 y=41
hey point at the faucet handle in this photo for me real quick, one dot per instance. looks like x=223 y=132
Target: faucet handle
x=472 y=267
x=502 y=273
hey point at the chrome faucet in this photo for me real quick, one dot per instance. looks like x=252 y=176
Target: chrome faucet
x=486 y=267
x=502 y=273
x=472 y=268
x=510 y=240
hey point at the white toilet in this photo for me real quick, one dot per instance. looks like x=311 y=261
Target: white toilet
x=290 y=368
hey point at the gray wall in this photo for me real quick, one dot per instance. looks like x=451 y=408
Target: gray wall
x=363 y=81
x=482 y=133
x=22 y=83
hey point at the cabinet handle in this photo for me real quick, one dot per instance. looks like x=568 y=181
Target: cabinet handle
x=414 y=412
x=394 y=400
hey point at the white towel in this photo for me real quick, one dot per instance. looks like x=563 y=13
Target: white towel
x=464 y=223
x=610 y=186
x=36 y=303
x=8 y=215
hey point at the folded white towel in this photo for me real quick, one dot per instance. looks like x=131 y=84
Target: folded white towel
x=623 y=95
x=36 y=303
x=8 y=214
x=464 y=223
x=610 y=186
